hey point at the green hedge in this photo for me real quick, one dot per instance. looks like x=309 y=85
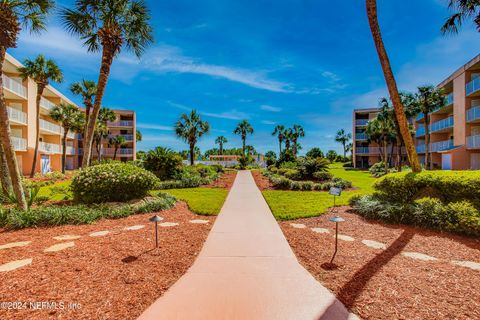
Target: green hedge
x=283 y=183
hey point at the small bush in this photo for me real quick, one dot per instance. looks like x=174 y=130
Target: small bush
x=429 y=212
x=307 y=186
x=293 y=174
x=322 y=175
x=163 y=162
x=112 y=182
x=282 y=183
x=466 y=218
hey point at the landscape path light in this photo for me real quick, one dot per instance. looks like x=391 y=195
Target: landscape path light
x=156 y=219
x=337 y=220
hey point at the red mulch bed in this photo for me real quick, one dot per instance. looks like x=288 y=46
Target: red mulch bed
x=262 y=182
x=383 y=284
x=116 y=276
x=225 y=181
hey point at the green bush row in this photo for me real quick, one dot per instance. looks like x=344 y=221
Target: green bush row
x=283 y=183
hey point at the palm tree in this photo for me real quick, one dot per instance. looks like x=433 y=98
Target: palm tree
x=279 y=131
x=392 y=86
x=4 y=175
x=297 y=133
x=381 y=130
x=221 y=140
x=138 y=136
x=288 y=137
x=463 y=9
x=117 y=142
x=429 y=98
x=343 y=138
x=107 y=26
x=42 y=71
x=87 y=89
x=30 y=15
x=71 y=118
x=243 y=128
x=190 y=128
x=101 y=129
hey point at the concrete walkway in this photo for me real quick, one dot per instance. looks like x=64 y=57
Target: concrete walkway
x=246 y=270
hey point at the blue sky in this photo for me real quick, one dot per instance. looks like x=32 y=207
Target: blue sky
x=290 y=61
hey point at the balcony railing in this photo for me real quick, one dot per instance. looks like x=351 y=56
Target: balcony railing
x=361 y=136
x=442 y=124
x=128 y=137
x=473 y=142
x=473 y=114
x=46 y=104
x=473 y=86
x=120 y=151
x=367 y=150
x=14 y=85
x=421 y=148
x=17 y=115
x=122 y=123
x=420 y=131
x=449 y=101
x=70 y=150
x=441 y=145
x=19 y=144
x=46 y=125
x=50 y=147
x=69 y=166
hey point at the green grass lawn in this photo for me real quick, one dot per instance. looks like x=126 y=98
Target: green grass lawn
x=206 y=201
x=287 y=205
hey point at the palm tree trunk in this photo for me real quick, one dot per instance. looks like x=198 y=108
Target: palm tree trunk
x=399 y=154
x=40 y=88
x=385 y=153
x=64 y=151
x=428 y=162
x=221 y=148
x=280 y=146
x=192 y=154
x=4 y=176
x=5 y=138
x=344 y=151
x=88 y=107
x=243 y=144
x=392 y=85
x=107 y=59
x=115 y=153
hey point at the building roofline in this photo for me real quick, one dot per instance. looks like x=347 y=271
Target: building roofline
x=366 y=110
x=460 y=70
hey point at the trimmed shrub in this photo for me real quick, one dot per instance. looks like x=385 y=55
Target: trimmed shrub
x=163 y=162
x=466 y=218
x=307 y=186
x=429 y=212
x=112 y=182
x=293 y=174
x=282 y=183
x=322 y=175
x=308 y=166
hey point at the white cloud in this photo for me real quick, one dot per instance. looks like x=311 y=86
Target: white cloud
x=266 y=107
x=268 y=122
x=230 y=115
x=154 y=126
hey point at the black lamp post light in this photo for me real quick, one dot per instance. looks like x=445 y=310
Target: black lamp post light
x=156 y=219
x=335 y=192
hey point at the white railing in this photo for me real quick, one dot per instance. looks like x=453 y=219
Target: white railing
x=120 y=151
x=70 y=150
x=473 y=86
x=441 y=145
x=122 y=123
x=361 y=136
x=17 y=115
x=52 y=127
x=46 y=104
x=473 y=142
x=361 y=122
x=420 y=131
x=128 y=137
x=367 y=150
x=19 y=144
x=50 y=147
x=442 y=124
x=70 y=134
x=14 y=85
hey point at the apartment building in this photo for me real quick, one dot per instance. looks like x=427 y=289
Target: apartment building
x=20 y=97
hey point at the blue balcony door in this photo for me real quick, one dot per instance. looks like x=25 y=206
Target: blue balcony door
x=45 y=163
x=446 y=161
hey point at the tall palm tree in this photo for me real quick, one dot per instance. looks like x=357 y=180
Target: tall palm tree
x=4 y=174
x=429 y=98
x=381 y=129
x=138 y=136
x=279 y=131
x=190 y=128
x=87 y=89
x=221 y=140
x=243 y=129
x=15 y=15
x=371 y=6
x=297 y=133
x=42 y=71
x=108 y=26
x=288 y=137
x=70 y=118
x=463 y=9
x=101 y=129
x=117 y=142
x=343 y=138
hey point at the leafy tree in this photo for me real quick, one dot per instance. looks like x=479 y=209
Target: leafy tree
x=382 y=127
x=138 y=136
x=163 y=162
x=15 y=15
x=331 y=155
x=101 y=129
x=87 y=89
x=221 y=140
x=107 y=26
x=297 y=132
x=250 y=150
x=270 y=158
x=42 y=71
x=279 y=131
x=315 y=153
x=141 y=155
x=117 y=142
x=463 y=10
x=71 y=118
x=371 y=6
x=184 y=154
x=243 y=129
x=343 y=138
x=190 y=128
x=288 y=137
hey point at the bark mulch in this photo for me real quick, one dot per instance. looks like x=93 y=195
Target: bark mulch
x=262 y=182
x=116 y=276
x=225 y=181
x=383 y=284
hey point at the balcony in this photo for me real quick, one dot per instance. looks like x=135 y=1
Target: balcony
x=120 y=151
x=122 y=123
x=50 y=147
x=421 y=148
x=128 y=137
x=449 y=102
x=19 y=144
x=14 y=86
x=50 y=127
x=70 y=150
x=441 y=145
x=367 y=150
x=70 y=134
x=442 y=125
x=17 y=116
x=473 y=142
x=46 y=104
x=420 y=131
x=473 y=86
x=361 y=136
x=473 y=114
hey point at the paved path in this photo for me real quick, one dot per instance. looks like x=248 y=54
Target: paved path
x=246 y=270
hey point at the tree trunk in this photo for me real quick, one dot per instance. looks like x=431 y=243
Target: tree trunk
x=64 y=151
x=40 y=88
x=344 y=151
x=88 y=107
x=5 y=138
x=280 y=146
x=428 y=162
x=107 y=59
x=244 y=139
x=385 y=153
x=399 y=154
x=4 y=176
x=392 y=85
x=221 y=148
x=115 y=153
x=391 y=155
x=192 y=154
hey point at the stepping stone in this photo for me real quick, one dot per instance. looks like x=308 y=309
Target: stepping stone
x=418 y=256
x=15 y=244
x=199 y=221
x=374 y=244
x=298 y=225
x=320 y=230
x=12 y=265
x=467 y=264
x=136 y=227
x=168 y=224
x=345 y=237
x=60 y=247
x=67 y=237
x=99 y=233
